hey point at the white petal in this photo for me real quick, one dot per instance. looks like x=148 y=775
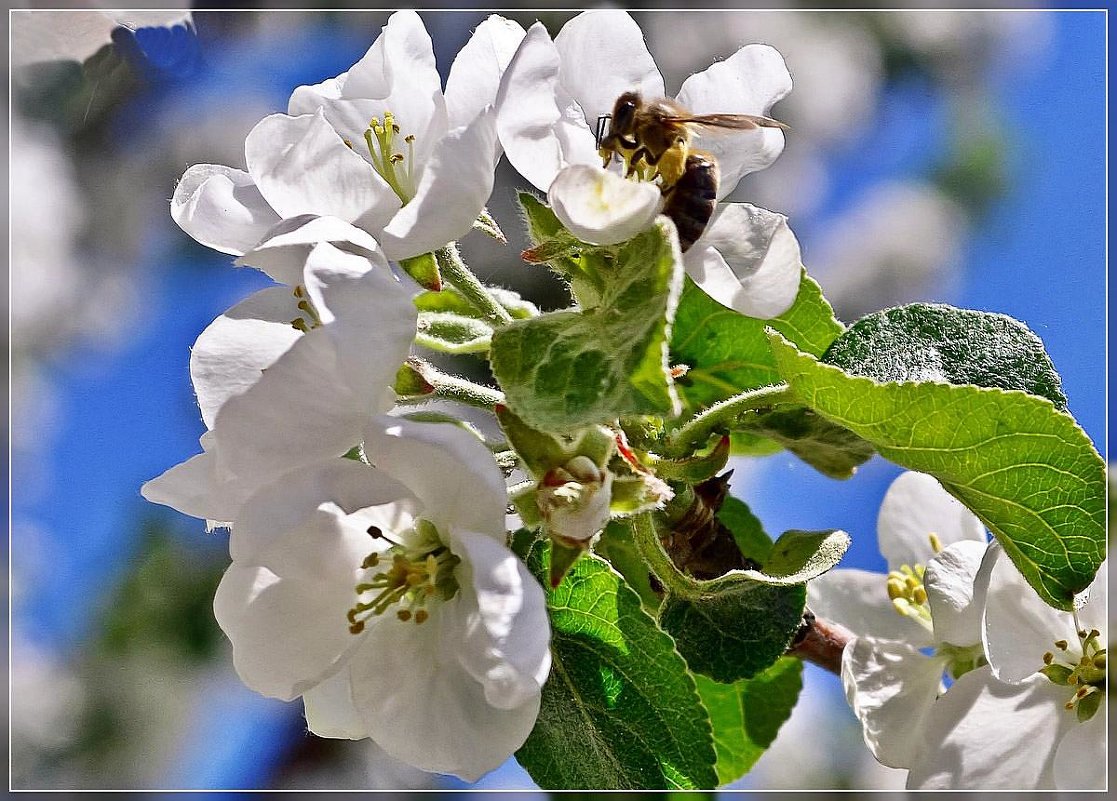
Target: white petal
x=1017 y=627
x=283 y=251
x=420 y=705
x=358 y=495
x=540 y=125
x=986 y=735
x=313 y=402
x=288 y=635
x=748 y=82
x=1081 y=755
x=370 y=319
x=914 y=507
x=890 y=686
x=455 y=186
x=604 y=55
x=448 y=469
x=475 y=74
x=949 y=582
x=748 y=259
x=234 y=349
x=397 y=74
x=221 y=208
x=600 y=207
x=858 y=599
x=502 y=621
x=198 y=488
x=330 y=711
x=301 y=166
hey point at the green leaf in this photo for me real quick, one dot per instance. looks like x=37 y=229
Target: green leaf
x=927 y=342
x=1015 y=459
x=832 y=450
x=617 y=547
x=449 y=332
x=570 y=369
x=553 y=243
x=735 y=626
x=747 y=714
x=450 y=300
x=728 y=352
x=748 y=532
x=799 y=556
x=619 y=710
x=424 y=269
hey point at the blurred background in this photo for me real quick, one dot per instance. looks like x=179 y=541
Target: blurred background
x=934 y=155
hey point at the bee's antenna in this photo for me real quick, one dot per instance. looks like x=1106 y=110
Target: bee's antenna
x=599 y=134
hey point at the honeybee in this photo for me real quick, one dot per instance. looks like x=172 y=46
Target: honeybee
x=654 y=138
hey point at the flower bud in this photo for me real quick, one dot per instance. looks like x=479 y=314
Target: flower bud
x=574 y=500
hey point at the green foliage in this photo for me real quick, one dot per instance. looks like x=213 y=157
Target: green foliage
x=748 y=532
x=831 y=449
x=619 y=710
x=733 y=627
x=570 y=369
x=747 y=714
x=927 y=342
x=727 y=352
x=450 y=332
x=1017 y=460
x=799 y=556
x=424 y=269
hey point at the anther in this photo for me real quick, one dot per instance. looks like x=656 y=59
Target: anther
x=375 y=532
x=936 y=543
x=299 y=324
x=421 y=616
x=404 y=614
x=1062 y=644
x=1048 y=658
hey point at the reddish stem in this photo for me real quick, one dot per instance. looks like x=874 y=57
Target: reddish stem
x=821 y=642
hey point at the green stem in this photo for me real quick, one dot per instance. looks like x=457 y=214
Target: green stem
x=459 y=276
x=721 y=417
x=451 y=387
x=651 y=549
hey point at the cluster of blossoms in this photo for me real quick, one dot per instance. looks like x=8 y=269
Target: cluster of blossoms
x=370 y=571
x=958 y=671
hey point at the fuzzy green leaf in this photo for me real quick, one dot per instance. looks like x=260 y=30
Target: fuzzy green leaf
x=927 y=342
x=799 y=556
x=449 y=332
x=570 y=369
x=735 y=626
x=1018 y=461
x=620 y=710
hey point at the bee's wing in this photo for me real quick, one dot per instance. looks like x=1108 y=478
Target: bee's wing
x=711 y=123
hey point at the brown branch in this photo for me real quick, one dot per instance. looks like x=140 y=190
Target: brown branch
x=821 y=642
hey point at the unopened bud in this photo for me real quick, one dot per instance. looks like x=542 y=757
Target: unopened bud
x=574 y=500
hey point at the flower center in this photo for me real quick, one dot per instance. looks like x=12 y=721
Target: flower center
x=312 y=320
x=414 y=574
x=1086 y=675
x=380 y=137
x=906 y=590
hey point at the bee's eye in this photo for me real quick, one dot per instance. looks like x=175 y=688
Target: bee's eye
x=623 y=114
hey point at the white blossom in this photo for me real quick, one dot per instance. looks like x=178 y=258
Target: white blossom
x=1034 y=717
x=547 y=110
x=934 y=546
x=386 y=597
x=287 y=378
x=380 y=146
